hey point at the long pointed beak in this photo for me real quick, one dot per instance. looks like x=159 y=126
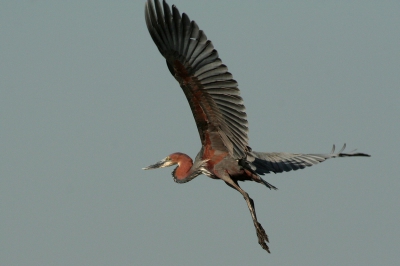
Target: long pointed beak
x=163 y=163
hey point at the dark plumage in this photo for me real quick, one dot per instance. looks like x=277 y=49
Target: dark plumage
x=218 y=111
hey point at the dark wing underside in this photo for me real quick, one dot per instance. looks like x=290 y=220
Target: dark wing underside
x=211 y=91
x=277 y=162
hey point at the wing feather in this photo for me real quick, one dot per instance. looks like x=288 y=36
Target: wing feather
x=277 y=162
x=210 y=69
x=211 y=91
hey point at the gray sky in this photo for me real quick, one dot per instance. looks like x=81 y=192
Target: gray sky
x=87 y=101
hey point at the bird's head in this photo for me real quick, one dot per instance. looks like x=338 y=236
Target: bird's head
x=167 y=161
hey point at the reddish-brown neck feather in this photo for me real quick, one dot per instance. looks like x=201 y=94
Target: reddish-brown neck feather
x=185 y=164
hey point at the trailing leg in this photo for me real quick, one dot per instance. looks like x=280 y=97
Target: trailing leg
x=261 y=235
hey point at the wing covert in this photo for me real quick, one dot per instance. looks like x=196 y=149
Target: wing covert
x=277 y=162
x=211 y=91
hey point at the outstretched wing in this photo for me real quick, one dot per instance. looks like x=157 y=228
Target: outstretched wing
x=211 y=91
x=277 y=162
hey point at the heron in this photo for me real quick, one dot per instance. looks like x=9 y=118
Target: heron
x=218 y=111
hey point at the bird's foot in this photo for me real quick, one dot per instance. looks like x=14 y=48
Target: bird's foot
x=262 y=236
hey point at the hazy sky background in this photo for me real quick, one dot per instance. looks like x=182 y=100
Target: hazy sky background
x=87 y=101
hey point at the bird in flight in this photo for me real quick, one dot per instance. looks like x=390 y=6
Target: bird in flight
x=218 y=111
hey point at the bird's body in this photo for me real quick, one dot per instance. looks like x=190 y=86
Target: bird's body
x=218 y=111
